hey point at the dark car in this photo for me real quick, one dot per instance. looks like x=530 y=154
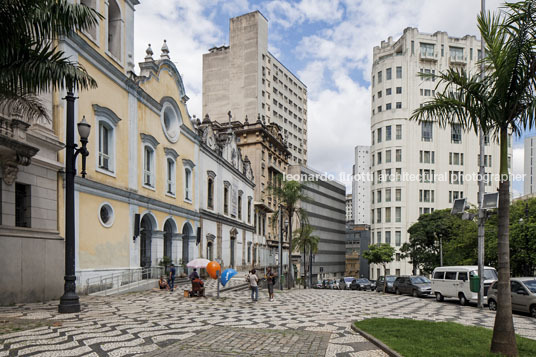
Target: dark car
x=417 y=286
x=373 y=284
x=361 y=284
x=390 y=281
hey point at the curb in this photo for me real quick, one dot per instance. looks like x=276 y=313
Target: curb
x=377 y=342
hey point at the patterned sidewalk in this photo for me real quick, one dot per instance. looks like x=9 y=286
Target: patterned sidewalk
x=166 y=323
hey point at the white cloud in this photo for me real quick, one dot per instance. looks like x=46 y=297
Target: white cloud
x=289 y=13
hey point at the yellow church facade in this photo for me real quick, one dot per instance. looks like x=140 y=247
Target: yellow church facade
x=137 y=203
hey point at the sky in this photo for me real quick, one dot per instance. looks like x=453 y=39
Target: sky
x=326 y=43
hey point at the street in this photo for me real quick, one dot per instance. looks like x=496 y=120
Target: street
x=298 y=322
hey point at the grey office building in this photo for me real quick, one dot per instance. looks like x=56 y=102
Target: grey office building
x=326 y=212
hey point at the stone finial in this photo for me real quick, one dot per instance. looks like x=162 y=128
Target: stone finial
x=246 y=122
x=149 y=52
x=259 y=118
x=230 y=116
x=206 y=119
x=165 y=51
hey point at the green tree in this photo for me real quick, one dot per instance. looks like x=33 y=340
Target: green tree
x=305 y=240
x=498 y=100
x=30 y=61
x=289 y=194
x=380 y=254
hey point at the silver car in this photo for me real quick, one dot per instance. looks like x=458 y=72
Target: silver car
x=523 y=295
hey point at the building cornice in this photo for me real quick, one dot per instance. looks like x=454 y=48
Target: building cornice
x=121 y=195
x=221 y=218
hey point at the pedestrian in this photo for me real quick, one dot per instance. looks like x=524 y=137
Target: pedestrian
x=193 y=275
x=171 y=281
x=270 y=281
x=253 y=279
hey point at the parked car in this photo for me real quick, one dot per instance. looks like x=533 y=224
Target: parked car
x=318 y=285
x=345 y=282
x=373 y=284
x=390 y=281
x=523 y=295
x=453 y=282
x=361 y=284
x=417 y=286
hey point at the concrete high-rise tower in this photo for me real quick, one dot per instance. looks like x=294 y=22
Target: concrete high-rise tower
x=247 y=80
x=418 y=167
x=529 y=183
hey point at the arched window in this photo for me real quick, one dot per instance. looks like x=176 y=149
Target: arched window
x=170 y=184
x=107 y=122
x=93 y=30
x=226 y=199
x=115 y=27
x=149 y=152
x=148 y=166
x=210 y=193
x=249 y=209
x=188 y=179
x=187 y=184
x=240 y=205
x=106 y=139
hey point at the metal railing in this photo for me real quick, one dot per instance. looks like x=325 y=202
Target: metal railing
x=112 y=283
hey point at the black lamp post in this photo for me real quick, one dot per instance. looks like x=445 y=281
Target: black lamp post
x=70 y=302
x=528 y=265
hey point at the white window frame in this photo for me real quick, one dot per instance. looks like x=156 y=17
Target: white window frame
x=187 y=182
x=109 y=119
x=149 y=142
x=172 y=155
x=151 y=171
x=171 y=182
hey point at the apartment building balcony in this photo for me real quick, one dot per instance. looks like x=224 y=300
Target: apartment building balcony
x=457 y=60
x=428 y=56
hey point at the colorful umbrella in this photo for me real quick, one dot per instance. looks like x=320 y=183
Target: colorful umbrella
x=198 y=263
x=227 y=275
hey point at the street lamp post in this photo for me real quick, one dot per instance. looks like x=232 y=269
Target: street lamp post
x=528 y=264
x=70 y=302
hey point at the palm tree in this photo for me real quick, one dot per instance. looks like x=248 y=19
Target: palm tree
x=289 y=194
x=304 y=239
x=30 y=61
x=498 y=100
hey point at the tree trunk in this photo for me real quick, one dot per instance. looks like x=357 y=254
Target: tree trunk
x=504 y=339
x=304 y=270
x=290 y=280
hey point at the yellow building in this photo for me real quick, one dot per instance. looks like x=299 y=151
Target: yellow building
x=140 y=173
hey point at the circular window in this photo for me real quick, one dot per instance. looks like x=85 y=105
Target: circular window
x=106 y=215
x=170 y=122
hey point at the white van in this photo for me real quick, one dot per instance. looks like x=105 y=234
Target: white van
x=453 y=282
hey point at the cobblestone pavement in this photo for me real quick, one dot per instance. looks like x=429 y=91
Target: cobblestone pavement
x=157 y=321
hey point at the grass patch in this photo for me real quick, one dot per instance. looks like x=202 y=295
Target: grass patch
x=426 y=338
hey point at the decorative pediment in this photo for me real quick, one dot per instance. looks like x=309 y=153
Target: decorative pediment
x=209 y=138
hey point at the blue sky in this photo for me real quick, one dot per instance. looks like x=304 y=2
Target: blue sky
x=327 y=43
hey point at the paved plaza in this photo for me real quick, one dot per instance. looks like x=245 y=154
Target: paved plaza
x=297 y=323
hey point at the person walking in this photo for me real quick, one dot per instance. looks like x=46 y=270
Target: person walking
x=270 y=281
x=253 y=280
x=171 y=281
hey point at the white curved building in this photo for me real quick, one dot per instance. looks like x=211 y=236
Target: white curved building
x=414 y=151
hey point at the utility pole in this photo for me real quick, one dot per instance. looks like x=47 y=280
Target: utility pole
x=280 y=248
x=481 y=188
